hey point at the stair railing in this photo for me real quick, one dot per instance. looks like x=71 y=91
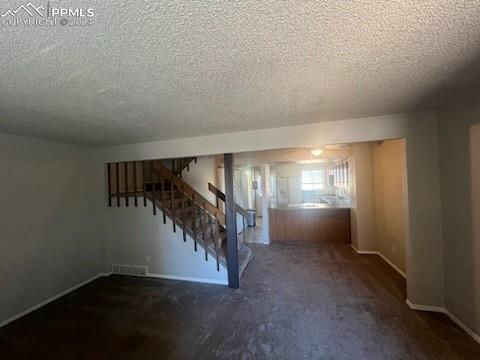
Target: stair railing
x=152 y=185
x=211 y=219
x=200 y=201
x=219 y=195
x=125 y=174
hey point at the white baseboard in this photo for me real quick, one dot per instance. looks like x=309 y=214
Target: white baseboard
x=425 y=307
x=463 y=326
x=445 y=311
x=419 y=307
x=368 y=252
x=392 y=265
x=363 y=252
x=187 y=278
x=49 y=300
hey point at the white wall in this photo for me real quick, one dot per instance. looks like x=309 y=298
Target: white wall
x=50 y=220
x=137 y=237
x=200 y=174
x=459 y=149
x=390 y=200
x=424 y=250
x=362 y=213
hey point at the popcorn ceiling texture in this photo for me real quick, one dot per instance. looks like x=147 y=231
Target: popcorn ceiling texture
x=150 y=70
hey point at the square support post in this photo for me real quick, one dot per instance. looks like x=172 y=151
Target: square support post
x=231 y=224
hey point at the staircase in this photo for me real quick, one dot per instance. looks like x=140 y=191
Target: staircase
x=179 y=165
x=158 y=182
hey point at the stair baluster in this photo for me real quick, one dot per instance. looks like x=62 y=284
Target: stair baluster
x=217 y=240
x=162 y=182
x=183 y=215
x=194 y=223
x=204 y=230
x=244 y=231
x=153 y=189
x=117 y=176
x=144 y=185
x=135 y=183
x=172 y=204
x=125 y=171
x=109 y=185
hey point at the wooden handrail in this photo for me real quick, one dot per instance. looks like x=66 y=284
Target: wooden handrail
x=193 y=195
x=219 y=194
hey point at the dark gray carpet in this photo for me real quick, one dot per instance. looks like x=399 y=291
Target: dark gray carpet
x=296 y=302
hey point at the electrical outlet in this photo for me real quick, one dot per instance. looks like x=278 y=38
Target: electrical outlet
x=147 y=259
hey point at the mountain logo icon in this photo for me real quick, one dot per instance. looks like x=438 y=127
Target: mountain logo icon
x=30 y=9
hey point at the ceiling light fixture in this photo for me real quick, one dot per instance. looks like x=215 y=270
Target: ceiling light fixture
x=316 y=152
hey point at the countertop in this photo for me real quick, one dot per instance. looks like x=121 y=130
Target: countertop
x=345 y=205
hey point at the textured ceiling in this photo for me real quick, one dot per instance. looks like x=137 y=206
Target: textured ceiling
x=149 y=70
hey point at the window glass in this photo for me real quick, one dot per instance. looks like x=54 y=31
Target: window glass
x=313 y=180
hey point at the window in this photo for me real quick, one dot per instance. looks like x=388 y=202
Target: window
x=313 y=180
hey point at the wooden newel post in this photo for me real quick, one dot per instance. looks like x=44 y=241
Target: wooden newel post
x=231 y=224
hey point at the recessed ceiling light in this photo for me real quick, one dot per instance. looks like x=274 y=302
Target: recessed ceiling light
x=316 y=152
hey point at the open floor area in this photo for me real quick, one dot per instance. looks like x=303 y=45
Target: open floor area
x=297 y=301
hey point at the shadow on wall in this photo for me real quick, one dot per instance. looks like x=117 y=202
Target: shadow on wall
x=475 y=198
x=460 y=168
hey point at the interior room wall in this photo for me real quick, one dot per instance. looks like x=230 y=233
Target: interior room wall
x=50 y=220
x=390 y=196
x=136 y=237
x=475 y=183
x=362 y=200
x=424 y=250
x=200 y=174
x=459 y=149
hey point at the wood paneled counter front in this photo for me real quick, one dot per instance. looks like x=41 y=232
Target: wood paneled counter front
x=310 y=222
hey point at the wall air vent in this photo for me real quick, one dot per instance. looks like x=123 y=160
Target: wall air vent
x=132 y=270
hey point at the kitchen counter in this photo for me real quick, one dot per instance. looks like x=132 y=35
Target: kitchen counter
x=344 y=205
x=310 y=223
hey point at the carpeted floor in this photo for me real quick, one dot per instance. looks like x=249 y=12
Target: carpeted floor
x=296 y=302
